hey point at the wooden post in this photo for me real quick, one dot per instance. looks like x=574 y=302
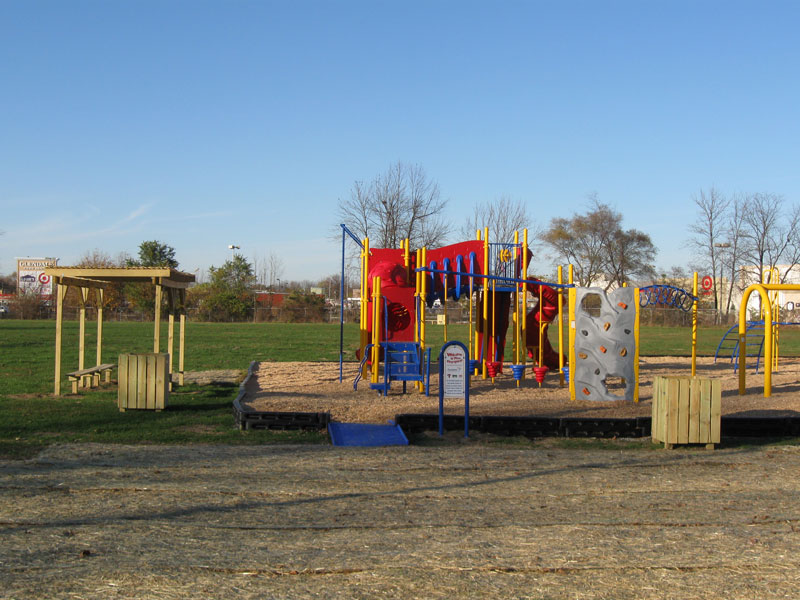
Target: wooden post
x=170 y=332
x=61 y=292
x=100 y=298
x=182 y=340
x=83 y=296
x=157 y=334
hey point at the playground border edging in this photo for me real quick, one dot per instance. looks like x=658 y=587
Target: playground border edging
x=608 y=428
x=527 y=426
x=250 y=419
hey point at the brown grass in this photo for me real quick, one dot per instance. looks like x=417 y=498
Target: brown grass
x=461 y=521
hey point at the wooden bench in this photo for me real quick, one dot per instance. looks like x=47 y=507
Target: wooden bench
x=92 y=374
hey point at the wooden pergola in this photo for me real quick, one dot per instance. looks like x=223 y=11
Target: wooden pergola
x=85 y=279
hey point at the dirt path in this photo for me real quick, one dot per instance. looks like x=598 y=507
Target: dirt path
x=461 y=521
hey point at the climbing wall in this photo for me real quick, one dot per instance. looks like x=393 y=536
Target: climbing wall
x=604 y=355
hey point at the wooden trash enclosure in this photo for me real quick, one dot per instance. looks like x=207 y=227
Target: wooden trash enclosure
x=143 y=381
x=686 y=410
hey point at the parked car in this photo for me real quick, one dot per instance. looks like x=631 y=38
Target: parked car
x=3 y=310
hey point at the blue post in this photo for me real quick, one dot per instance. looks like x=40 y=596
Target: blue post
x=345 y=230
x=341 y=310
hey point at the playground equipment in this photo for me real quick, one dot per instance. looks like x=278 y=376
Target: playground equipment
x=728 y=346
x=667 y=295
x=604 y=347
x=398 y=286
x=770 y=342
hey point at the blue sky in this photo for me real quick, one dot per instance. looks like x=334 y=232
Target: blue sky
x=208 y=123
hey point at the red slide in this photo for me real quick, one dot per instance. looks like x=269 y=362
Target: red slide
x=549 y=311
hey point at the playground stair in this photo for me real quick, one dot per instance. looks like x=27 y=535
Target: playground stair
x=402 y=361
x=728 y=346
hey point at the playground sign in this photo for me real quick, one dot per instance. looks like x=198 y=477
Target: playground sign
x=453 y=380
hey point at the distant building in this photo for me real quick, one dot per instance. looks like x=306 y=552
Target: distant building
x=787 y=300
x=271 y=299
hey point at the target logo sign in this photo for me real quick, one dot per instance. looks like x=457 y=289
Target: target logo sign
x=707 y=284
x=44 y=279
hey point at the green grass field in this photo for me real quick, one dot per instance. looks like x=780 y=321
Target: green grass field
x=30 y=417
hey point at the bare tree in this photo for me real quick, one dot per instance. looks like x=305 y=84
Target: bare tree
x=274 y=269
x=770 y=235
x=733 y=248
x=744 y=238
x=708 y=233
x=398 y=204
x=502 y=216
x=791 y=256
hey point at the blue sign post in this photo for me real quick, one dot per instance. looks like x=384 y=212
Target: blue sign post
x=454 y=379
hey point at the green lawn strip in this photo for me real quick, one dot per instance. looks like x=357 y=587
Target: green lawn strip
x=195 y=415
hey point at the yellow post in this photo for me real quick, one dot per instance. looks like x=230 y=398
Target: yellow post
x=417 y=256
x=473 y=324
x=776 y=317
x=376 y=326
x=364 y=337
x=524 y=304
x=694 y=326
x=485 y=344
x=471 y=350
x=767 y=307
x=515 y=312
x=571 y=331
x=541 y=330
x=416 y=295
x=560 y=326
x=444 y=302
x=636 y=342
x=423 y=298
x=494 y=325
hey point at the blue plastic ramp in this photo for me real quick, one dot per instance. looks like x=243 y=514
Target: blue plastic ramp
x=366 y=434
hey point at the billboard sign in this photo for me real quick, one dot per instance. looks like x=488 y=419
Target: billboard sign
x=31 y=278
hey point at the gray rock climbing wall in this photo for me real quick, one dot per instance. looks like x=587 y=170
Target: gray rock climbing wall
x=603 y=365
